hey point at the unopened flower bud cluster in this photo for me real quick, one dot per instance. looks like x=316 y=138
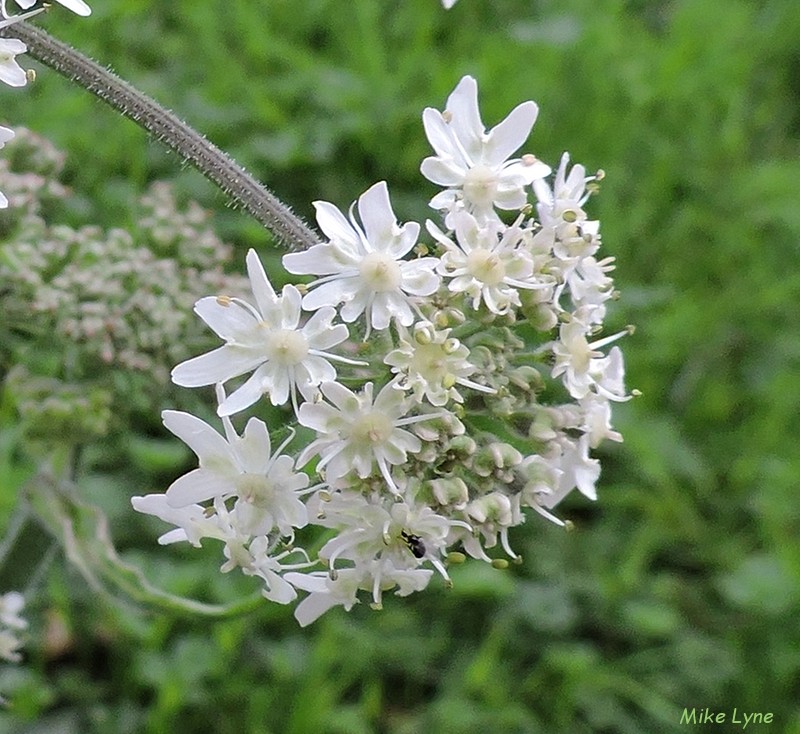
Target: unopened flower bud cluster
x=448 y=377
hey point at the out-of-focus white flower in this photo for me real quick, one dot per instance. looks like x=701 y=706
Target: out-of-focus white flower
x=475 y=165
x=11 y=605
x=355 y=433
x=266 y=338
x=362 y=263
x=265 y=486
x=487 y=262
x=11 y=624
x=448 y=4
x=10 y=71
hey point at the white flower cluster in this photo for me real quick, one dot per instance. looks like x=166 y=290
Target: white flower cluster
x=11 y=72
x=11 y=625
x=446 y=386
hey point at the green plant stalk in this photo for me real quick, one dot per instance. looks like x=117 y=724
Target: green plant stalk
x=213 y=163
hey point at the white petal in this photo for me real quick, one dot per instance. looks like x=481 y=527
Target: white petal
x=443 y=171
x=444 y=200
x=262 y=289
x=380 y=314
x=319 y=332
x=322 y=259
x=466 y=122
x=313 y=607
x=290 y=307
x=344 y=399
x=510 y=198
x=439 y=134
x=528 y=173
x=218 y=366
x=197 y=486
x=419 y=277
x=76 y=6
x=228 y=320
x=243 y=397
x=334 y=224
x=403 y=241
x=405 y=441
x=279 y=591
x=510 y=134
x=376 y=214
x=351 y=310
x=331 y=293
x=254 y=448
x=317 y=370
x=317 y=416
x=207 y=444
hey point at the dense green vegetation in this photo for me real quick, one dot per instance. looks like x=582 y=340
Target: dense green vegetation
x=681 y=586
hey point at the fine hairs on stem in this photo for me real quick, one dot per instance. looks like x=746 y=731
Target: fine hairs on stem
x=217 y=166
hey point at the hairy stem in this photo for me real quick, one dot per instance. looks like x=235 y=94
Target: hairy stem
x=220 y=168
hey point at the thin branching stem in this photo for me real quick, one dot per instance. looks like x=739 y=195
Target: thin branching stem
x=217 y=166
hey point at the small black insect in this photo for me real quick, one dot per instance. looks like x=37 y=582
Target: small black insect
x=414 y=543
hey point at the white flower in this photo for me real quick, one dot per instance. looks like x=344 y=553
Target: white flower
x=582 y=367
x=448 y=4
x=431 y=364
x=362 y=263
x=354 y=433
x=11 y=605
x=474 y=163
x=10 y=71
x=267 y=339
x=597 y=420
x=382 y=528
x=255 y=560
x=266 y=486
x=241 y=550
x=488 y=264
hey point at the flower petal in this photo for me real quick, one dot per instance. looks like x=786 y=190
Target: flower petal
x=208 y=445
x=220 y=365
x=262 y=289
x=244 y=396
x=229 y=320
x=197 y=486
x=507 y=136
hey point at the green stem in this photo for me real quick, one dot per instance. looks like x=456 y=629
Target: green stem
x=172 y=131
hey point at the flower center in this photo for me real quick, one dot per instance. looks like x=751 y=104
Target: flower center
x=380 y=272
x=255 y=489
x=430 y=361
x=287 y=346
x=480 y=185
x=485 y=266
x=374 y=428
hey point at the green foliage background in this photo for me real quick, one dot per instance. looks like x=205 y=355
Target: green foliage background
x=681 y=587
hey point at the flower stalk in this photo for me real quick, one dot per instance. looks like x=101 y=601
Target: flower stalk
x=213 y=163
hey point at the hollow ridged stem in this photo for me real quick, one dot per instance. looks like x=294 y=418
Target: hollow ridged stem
x=217 y=166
